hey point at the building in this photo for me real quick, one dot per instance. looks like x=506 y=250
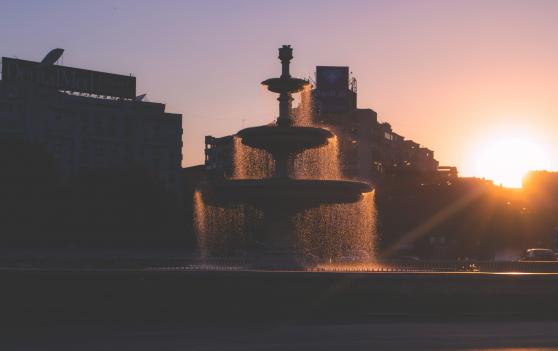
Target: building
x=219 y=159
x=541 y=182
x=370 y=149
x=88 y=119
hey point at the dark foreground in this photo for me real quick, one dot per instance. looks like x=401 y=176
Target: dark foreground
x=209 y=296
x=169 y=310
x=294 y=336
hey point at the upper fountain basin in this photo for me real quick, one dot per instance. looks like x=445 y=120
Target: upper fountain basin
x=286 y=140
x=285 y=85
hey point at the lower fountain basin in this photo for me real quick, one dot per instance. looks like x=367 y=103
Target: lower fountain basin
x=290 y=195
x=287 y=140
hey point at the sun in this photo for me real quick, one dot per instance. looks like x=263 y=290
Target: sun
x=506 y=159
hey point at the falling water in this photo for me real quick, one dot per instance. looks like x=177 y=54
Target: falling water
x=222 y=231
x=303 y=115
x=318 y=163
x=328 y=232
x=199 y=223
x=251 y=163
x=340 y=230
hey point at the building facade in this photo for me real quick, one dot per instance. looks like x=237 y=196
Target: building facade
x=219 y=156
x=369 y=149
x=84 y=131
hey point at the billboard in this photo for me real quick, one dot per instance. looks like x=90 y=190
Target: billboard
x=68 y=78
x=332 y=78
x=332 y=87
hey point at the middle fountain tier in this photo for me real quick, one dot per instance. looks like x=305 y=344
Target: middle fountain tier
x=281 y=197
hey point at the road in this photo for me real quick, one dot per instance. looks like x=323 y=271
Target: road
x=294 y=336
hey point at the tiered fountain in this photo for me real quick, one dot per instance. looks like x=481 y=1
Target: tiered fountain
x=281 y=197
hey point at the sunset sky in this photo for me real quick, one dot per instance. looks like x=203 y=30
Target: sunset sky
x=471 y=80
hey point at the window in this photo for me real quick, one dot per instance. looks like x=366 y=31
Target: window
x=100 y=152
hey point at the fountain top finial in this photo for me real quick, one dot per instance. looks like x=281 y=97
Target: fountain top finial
x=285 y=53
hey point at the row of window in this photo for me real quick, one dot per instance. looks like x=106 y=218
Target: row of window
x=114 y=149
x=115 y=152
x=11 y=108
x=169 y=175
x=110 y=125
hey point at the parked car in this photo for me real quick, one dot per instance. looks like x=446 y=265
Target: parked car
x=538 y=255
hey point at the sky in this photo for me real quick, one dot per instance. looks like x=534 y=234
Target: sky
x=455 y=76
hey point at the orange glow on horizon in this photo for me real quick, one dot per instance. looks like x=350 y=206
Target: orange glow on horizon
x=507 y=158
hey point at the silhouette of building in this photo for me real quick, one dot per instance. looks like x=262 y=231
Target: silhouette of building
x=89 y=119
x=447 y=173
x=370 y=149
x=541 y=182
x=219 y=155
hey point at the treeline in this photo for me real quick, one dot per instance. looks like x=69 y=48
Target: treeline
x=98 y=208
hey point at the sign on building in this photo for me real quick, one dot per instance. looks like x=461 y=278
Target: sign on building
x=332 y=88
x=68 y=78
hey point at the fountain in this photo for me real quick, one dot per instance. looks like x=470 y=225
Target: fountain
x=281 y=199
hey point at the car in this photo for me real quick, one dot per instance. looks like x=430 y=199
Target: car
x=538 y=255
